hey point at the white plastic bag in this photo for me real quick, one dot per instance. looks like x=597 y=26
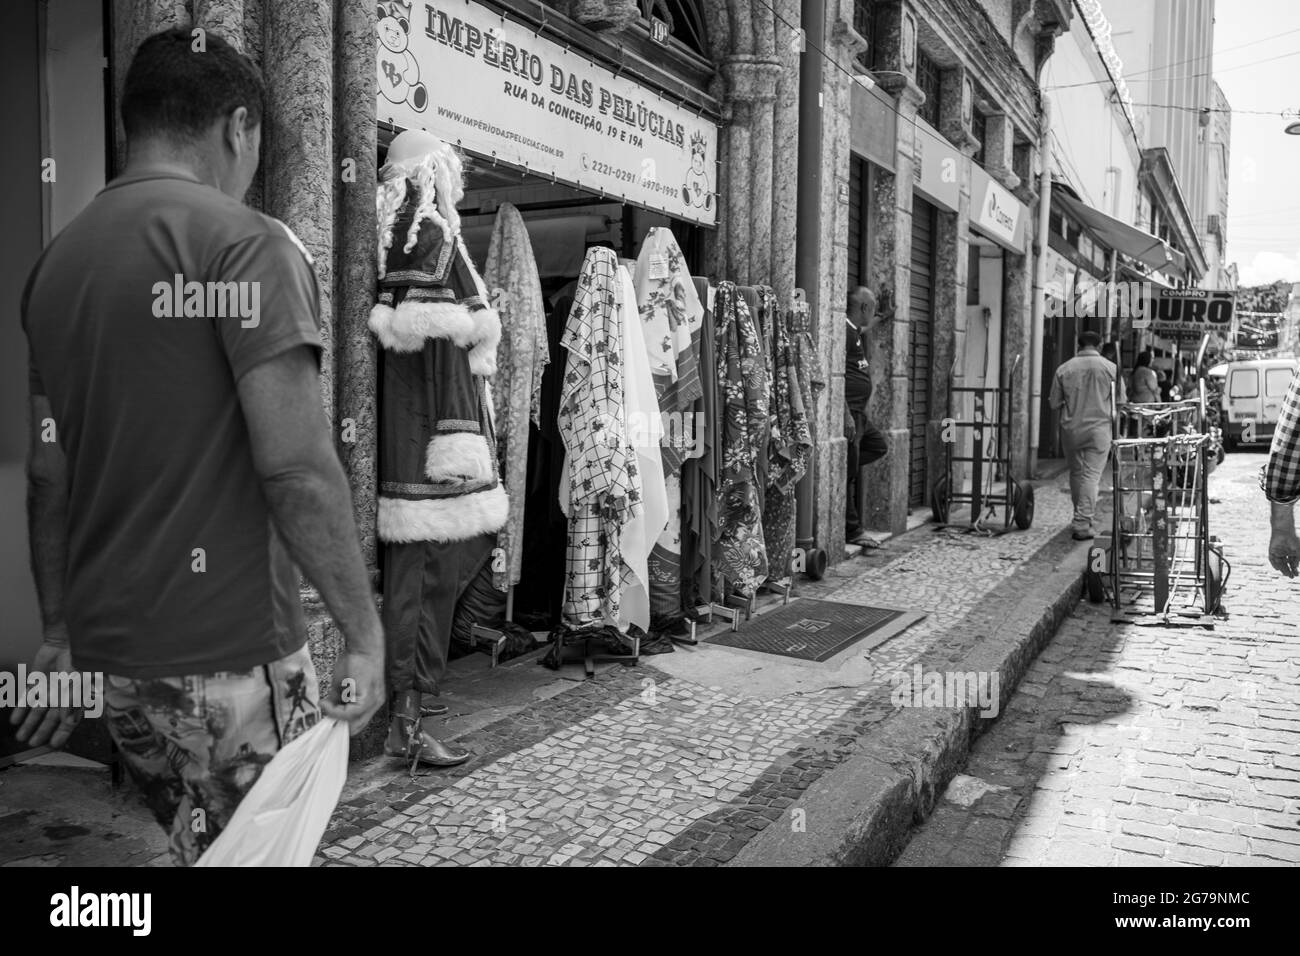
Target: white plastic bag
x=280 y=821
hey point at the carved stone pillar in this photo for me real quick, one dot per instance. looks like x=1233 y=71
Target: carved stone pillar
x=356 y=162
x=887 y=479
x=748 y=134
x=298 y=145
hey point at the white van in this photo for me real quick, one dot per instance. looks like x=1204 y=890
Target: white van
x=1252 y=399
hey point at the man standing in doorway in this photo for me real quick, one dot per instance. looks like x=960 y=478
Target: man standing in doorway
x=866 y=443
x=1081 y=392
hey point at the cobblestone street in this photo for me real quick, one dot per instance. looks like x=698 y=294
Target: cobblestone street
x=638 y=767
x=1130 y=745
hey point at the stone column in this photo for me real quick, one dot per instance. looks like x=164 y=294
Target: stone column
x=999 y=150
x=785 y=164
x=298 y=145
x=1017 y=316
x=355 y=258
x=952 y=263
x=132 y=23
x=224 y=18
x=842 y=46
x=887 y=479
x=749 y=136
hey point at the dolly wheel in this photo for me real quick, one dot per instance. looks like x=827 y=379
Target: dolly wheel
x=939 y=501
x=1024 y=513
x=1093 y=583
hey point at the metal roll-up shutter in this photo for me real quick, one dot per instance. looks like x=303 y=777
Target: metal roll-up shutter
x=857 y=223
x=921 y=323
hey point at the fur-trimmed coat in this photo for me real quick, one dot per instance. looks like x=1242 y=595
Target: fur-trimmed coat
x=438 y=472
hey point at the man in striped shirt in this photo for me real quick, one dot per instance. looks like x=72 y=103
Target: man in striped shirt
x=1280 y=479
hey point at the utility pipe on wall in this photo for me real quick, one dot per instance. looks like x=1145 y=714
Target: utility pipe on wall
x=1040 y=289
x=807 y=261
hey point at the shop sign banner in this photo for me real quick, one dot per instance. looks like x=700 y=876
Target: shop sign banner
x=999 y=215
x=936 y=167
x=1188 y=313
x=496 y=88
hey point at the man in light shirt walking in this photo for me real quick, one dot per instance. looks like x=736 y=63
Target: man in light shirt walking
x=1081 y=392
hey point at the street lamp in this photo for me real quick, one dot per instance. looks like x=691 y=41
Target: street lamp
x=1293 y=127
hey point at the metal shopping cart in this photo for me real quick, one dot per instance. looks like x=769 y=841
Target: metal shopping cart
x=987 y=432
x=1162 y=566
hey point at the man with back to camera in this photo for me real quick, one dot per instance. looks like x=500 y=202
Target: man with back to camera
x=193 y=466
x=1081 y=392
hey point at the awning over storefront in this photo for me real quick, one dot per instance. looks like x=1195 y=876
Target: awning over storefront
x=1150 y=250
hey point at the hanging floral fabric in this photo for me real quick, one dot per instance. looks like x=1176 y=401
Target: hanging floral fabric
x=601 y=486
x=740 y=555
x=700 y=473
x=522 y=355
x=671 y=315
x=796 y=380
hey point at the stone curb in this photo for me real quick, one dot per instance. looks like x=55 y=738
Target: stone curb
x=862 y=812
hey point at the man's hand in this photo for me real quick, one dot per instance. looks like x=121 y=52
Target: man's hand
x=38 y=726
x=358 y=689
x=1284 y=551
x=1283 y=548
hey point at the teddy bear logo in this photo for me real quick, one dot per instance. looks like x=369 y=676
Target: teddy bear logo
x=696 y=190
x=399 y=73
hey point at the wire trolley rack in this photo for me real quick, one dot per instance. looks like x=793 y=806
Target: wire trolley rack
x=1162 y=567
x=987 y=432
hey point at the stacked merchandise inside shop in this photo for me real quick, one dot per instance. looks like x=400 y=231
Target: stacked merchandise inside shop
x=588 y=441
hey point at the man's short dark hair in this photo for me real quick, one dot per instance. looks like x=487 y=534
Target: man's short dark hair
x=1089 y=339
x=176 y=92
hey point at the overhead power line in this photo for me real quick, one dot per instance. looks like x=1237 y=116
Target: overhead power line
x=1162 y=79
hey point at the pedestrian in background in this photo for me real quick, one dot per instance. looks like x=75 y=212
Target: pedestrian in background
x=1146 y=386
x=1081 y=392
x=194 y=471
x=865 y=441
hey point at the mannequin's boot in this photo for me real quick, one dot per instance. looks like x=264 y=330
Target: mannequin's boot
x=407 y=717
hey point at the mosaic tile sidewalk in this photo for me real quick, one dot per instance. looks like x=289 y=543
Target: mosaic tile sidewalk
x=635 y=767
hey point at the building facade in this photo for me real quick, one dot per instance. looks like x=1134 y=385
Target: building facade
x=1167 y=47
x=896 y=144
x=1214 y=238
x=937 y=140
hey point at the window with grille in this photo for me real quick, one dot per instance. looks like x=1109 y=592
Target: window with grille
x=927 y=78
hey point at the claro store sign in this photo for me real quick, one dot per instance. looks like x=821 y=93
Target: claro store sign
x=491 y=85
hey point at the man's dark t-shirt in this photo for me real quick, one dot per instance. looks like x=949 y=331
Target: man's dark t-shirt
x=857 y=379
x=174 y=565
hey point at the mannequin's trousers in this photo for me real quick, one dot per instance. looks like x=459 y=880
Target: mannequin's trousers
x=423 y=581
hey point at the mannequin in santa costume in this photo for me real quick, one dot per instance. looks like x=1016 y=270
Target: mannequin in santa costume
x=441 y=501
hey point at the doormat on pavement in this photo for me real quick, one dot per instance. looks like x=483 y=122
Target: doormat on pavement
x=810 y=630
